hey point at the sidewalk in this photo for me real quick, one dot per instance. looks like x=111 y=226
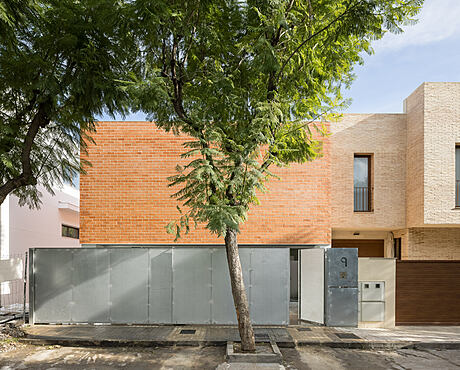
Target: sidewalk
x=438 y=337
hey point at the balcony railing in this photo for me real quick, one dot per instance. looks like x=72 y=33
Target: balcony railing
x=457 y=193
x=362 y=199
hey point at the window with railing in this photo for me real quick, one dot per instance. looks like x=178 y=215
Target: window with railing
x=362 y=183
x=457 y=176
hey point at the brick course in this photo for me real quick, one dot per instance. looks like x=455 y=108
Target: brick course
x=125 y=196
x=426 y=243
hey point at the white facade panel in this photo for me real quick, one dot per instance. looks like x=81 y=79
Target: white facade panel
x=311 y=295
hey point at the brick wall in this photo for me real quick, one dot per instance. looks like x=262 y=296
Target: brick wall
x=441 y=133
x=125 y=198
x=414 y=107
x=383 y=136
x=439 y=243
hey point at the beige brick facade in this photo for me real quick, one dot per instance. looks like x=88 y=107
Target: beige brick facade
x=414 y=107
x=384 y=137
x=441 y=133
x=413 y=174
x=440 y=243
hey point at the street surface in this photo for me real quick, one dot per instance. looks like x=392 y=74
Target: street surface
x=309 y=357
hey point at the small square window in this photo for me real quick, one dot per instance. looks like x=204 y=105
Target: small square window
x=70 y=232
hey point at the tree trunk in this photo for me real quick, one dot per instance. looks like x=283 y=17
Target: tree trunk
x=239 y=293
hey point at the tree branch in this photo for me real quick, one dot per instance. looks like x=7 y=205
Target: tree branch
x=302 y=44
x=27 y=177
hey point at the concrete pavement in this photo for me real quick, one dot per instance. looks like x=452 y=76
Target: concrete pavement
x=285 y=337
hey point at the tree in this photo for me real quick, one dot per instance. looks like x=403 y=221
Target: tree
x=60 y=65
x=245 y=80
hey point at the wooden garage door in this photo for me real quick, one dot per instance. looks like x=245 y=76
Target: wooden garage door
x=366 y=247
x=428 y=292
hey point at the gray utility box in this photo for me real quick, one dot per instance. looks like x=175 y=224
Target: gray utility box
x=341 y=287
x=372 y=300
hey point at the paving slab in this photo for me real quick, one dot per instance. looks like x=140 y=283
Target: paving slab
x=199 y=335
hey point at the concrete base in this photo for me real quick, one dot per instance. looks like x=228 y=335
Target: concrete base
x=262 y=355
x=249 y=366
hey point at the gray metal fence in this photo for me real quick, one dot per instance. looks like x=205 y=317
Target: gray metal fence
x=152 y=285
x=13 y=280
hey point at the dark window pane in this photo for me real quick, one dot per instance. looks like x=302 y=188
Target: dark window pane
x=361 y=183
x=70 y=232
x=457 y=163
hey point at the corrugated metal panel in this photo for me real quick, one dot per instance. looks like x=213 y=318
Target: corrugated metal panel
x=160 y=286
x=342 y=307
x=90 y=286
x=53 y=285
x=192 y=285
x=223 y=309
x=129 y=285
x=156 y=285
x=269 y=286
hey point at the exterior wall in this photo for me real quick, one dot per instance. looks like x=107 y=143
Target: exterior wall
x=442 y=132
x=23 y=228
x=125 y=196
x=380 y=269
x=414 y=108
x=404 y=235
x=367 y=234
x=433 y=244
x=384 y=136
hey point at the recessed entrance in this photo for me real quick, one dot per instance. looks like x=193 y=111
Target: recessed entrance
x=366 y=247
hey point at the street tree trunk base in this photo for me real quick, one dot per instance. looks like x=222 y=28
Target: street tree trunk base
x=239 y=293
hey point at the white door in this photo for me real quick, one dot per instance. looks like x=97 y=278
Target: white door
x=311 y=285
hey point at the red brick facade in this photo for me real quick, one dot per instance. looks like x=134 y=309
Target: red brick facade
x=124 y=197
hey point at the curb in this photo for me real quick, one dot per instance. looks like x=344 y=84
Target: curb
x=366 y=345
x=384 y=345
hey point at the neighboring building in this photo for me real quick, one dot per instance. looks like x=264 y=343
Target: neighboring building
x=55 y=224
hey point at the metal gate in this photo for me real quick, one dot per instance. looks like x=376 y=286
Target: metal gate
x=151 y=285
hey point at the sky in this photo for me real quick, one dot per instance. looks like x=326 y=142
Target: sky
x=428 y=51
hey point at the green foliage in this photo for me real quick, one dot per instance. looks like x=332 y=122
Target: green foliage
x=246 y=80
x=61 y=63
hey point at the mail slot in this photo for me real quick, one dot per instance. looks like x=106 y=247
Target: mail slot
x=372 y=300
x=373 y=291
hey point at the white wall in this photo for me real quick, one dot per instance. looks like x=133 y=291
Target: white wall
x=23 y=228
x=380 y=269
x=311 y=294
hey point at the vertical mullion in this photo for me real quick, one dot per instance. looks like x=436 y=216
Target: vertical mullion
x=369 y=183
